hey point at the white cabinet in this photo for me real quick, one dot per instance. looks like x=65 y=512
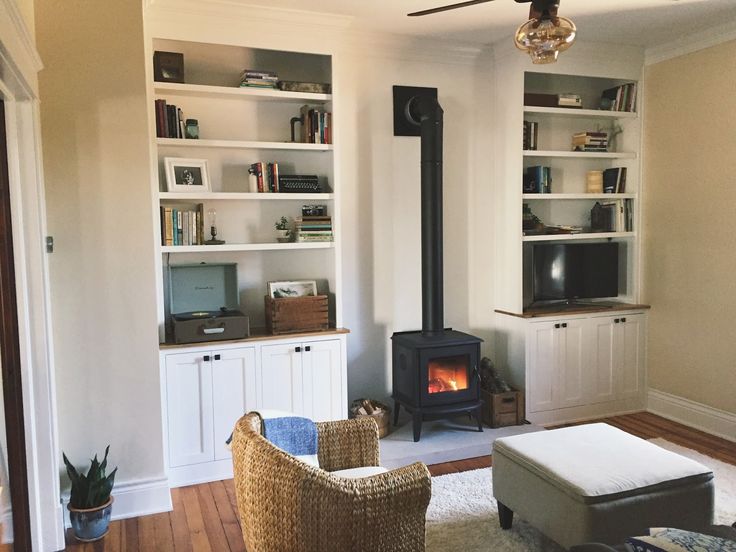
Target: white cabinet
x=304 y=378
x=206 y=389
x=558 y=356
x=575 y=365
x=206 y=393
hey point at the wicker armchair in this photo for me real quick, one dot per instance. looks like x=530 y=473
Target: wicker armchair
x=286 y=505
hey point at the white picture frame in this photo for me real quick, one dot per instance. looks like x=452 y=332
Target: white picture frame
x=180 y=171
x=293 y=288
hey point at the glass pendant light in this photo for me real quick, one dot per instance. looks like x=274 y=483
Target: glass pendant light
x=545 y=37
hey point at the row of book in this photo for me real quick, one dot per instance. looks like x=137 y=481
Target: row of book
x=182 y=226
x=620 y=98
x=537 y=180
x=316 y=126
x=254 y=78
x=590 y=141
x=169 y=120
x=313 y=228
x=531 y=135
x=614 y=180
x=612 y=216
x=263 y=177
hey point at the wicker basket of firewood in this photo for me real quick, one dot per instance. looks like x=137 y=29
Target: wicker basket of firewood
x=367 y=408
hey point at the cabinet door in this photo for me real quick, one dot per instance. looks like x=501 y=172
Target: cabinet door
x=233 y=392
x=572 y=363
x=322 y=366
x=189 y=408
x=542 y=362
x=631 y=350
x=281 y=378
x=604 y=366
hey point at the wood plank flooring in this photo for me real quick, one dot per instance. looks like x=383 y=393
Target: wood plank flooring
x=205 y=516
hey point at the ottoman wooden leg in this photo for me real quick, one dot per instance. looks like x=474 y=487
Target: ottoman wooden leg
x=505 y=515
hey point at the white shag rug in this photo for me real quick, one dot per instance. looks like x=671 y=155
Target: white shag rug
x=463 y=515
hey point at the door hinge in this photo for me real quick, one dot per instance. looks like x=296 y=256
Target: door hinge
x=49 y=244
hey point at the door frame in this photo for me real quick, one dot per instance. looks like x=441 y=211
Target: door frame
x=19 y=67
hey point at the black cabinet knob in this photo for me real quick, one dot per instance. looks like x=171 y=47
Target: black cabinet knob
x=623 y=320
x=616 y=320
x=557 y=326
x=298 y=349
x=217 y=357
x=307 y=348
x=564 y=325
x=206 y=358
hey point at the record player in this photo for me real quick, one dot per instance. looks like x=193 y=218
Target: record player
x=204 y=303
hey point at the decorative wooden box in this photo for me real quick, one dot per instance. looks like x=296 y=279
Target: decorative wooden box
x=503 y=409
x=297 y=314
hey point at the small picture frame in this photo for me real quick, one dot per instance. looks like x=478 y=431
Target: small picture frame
x=168 y=67
x=186 y=175
x=288 y=289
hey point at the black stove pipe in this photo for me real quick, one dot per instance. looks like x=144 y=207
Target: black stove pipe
x=427 y=113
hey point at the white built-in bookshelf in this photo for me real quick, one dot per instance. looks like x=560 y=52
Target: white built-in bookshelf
x=568 y=203
x=239 y=126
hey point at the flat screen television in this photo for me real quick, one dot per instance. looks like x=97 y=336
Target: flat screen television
x=565 y=272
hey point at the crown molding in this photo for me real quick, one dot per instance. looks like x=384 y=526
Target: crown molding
x=17 y=43
x=691 y=43
x=254 y=13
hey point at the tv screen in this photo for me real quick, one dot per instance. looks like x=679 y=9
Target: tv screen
x=575 y=271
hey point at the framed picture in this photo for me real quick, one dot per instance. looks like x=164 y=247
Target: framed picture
x=168 y=67
x=186 y=175
x=299 y=288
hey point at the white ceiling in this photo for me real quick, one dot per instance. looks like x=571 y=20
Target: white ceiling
x=635 y=22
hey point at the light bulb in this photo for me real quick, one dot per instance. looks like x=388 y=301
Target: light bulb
x=545 y=38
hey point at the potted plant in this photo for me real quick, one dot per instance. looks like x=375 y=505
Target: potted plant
x=90 y=503
x=283 y=230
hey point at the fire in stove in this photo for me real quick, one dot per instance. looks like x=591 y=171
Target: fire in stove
x=448 y=374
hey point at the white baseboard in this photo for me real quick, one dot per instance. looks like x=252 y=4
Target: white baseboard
x=696 y=415
x=136 y=498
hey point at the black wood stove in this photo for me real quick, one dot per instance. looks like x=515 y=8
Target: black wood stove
x=435 y=370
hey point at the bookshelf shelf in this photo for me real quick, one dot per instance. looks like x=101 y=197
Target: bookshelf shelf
x=577 y=196
x=582 y=113
x=245 y=247
x=583 y=236
x=257 y=94
x=241 y=144
x=243 y=196
x=580 y=154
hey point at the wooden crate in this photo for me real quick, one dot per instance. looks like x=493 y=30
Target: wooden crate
x=503 y=409
x=297 y=314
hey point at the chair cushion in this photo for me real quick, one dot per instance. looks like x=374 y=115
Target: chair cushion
x=597 y=461
x=365 y=471
x=677 y=540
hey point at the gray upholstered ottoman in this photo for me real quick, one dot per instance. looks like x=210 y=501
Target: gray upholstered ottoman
x=596 y=483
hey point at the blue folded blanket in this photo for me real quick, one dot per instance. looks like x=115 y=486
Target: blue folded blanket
x=292 y=434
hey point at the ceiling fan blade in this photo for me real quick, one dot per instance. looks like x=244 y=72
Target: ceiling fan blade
x=448 y=8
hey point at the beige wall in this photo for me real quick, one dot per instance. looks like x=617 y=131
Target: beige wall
x=689 y=209
x=26 y=10
x=96 y=162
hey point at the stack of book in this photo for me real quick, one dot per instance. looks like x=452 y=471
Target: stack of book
x=264 y=177
x=313 y=227
x=614 y=180
x=253 y=78
x=570 y=100
x=169 y=120
x=590 y=141
x=531 y=133
x=316 y=126
x=182 y=226
x=538 y=180
x=619 y=98
x=612 y=216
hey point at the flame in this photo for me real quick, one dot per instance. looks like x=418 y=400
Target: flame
x=453 y=384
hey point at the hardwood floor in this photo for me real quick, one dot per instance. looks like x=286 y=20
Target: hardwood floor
x=205 y=516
